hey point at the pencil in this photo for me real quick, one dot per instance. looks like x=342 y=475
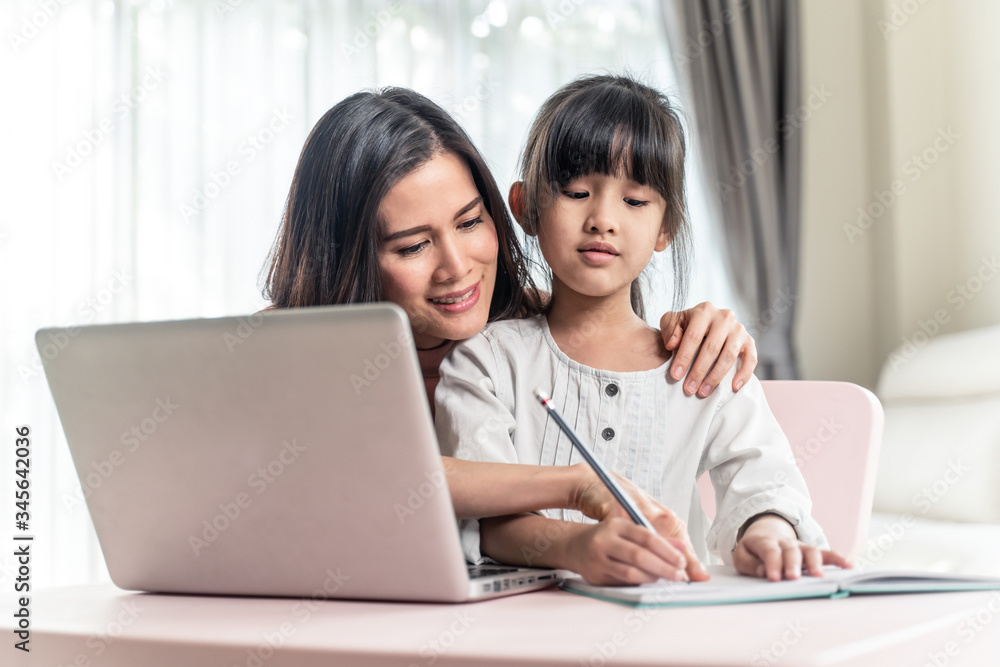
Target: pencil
x=617 y=491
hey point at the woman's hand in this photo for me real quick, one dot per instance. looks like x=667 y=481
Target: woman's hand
x=722 y=340
x=770 y=549
x=594 y=499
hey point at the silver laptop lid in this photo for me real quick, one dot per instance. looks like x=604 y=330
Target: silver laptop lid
x=285 y=453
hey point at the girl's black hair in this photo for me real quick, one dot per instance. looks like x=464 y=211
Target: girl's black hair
x=612 y=125
x=326 y=251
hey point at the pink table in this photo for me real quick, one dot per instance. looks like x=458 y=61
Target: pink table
x=107 y=627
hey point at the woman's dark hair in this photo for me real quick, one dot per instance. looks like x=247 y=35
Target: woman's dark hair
x=612 y=125
x=326 y=251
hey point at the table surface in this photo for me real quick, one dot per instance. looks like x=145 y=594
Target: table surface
x=106 y=626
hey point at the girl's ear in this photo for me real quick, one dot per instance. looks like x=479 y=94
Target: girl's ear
x=516 y=200
x=663 y=239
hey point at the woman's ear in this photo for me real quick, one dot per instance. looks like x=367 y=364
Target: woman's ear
x=516 y=200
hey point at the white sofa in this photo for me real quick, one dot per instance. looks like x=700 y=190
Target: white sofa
x=937 y=496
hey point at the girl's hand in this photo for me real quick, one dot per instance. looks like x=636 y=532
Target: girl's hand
x=594 y=499
x=722 y=341
x=770 y=548
x=618 y=552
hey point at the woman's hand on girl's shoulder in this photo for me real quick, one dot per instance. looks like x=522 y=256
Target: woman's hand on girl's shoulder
x=708 y=341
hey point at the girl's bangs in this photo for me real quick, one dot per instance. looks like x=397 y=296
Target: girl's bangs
x=606 y=134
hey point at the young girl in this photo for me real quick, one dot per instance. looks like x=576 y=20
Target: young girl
x=603 y=190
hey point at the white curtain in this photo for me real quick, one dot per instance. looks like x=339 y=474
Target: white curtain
x=147 y=147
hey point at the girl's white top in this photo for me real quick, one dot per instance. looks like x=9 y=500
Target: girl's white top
x=639 y=424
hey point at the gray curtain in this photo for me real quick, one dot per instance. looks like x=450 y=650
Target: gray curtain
x=739 y=61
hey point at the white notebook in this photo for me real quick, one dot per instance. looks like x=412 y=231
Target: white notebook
x=728 y=587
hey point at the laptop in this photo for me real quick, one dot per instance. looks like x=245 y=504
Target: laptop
x=286 y=453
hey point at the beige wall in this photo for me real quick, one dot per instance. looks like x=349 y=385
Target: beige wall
x=909 y=135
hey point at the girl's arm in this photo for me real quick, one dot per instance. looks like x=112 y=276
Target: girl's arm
x=721 y=339
x=763 y=525
x=612 y=552
x=769 y=548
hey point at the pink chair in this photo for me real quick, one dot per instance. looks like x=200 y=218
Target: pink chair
x=835 y=430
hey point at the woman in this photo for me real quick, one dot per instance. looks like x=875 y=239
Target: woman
x=391 y=201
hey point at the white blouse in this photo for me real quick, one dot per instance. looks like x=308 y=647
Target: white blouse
x=639 y=424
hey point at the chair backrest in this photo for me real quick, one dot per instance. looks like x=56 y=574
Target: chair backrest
x=835 y=430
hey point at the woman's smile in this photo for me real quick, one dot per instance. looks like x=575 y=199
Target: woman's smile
x=458 y=302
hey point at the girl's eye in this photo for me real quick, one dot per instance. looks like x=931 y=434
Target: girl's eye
x=470 y=224
x=575 y=195
x=635 y=202
x=413 y=249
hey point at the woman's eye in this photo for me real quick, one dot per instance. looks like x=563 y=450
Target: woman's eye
x=413 y=249
x=635 y=202
x=469 y=224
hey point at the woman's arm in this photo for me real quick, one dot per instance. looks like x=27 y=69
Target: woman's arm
x=612 y=552
x=485 y=489
x=481 y=489
x=712 y=339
